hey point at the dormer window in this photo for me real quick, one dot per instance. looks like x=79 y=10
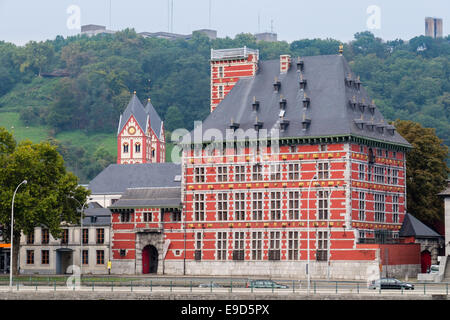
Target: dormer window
x=255 y=105
x=300 y=65
x=284 y=124
x=306 y=123
x=303 y=84
x=306 y=101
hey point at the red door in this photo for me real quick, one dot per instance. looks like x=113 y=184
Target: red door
x=425 y=261
x=146 y=260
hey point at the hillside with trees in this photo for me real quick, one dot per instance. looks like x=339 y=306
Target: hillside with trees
x=72 y=90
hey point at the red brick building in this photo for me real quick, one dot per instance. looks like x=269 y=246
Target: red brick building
x=140 y=135
x=294 y=166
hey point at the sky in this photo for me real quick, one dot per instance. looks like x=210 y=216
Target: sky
x=38 y=20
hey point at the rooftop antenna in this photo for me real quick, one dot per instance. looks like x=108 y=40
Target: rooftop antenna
x=171 y=17
x=271 y=26
x=168 y=15
x=259 y=21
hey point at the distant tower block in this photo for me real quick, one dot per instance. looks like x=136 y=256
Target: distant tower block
x=227 y=67
x=433 y=27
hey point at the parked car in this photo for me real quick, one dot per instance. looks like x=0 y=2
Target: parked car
x=209 y=285
x=265 y=284
x=390 y=283
x=434 y=268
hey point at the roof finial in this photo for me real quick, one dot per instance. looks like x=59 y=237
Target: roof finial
x=134 y=92
x=341 y=49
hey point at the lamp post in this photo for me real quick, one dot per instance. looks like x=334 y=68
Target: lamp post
x=12 y=235
x=81 y=235
x=307 y=231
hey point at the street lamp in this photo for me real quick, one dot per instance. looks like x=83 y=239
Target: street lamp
x=12 y=235
x=307 y=231
x=81 y=234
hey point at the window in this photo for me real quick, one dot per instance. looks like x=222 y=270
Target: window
x=362 y=169
x=294 y=205
x=176 y=215
x=323 y=204
x=100 y=236
x=361 y=149
x=199 y=174
x=85 y=236
x=379 y=174
x=125 y=217
x=30 y=238
x=30 y=256
x=362 y=206
x=369 y=173
x=220 y=94
x=274 y=245
x=323 y=147
x=275 y=205
x=379 y=152
x=239 y=252
x=65 y=236
x=239 y=206
x=239 y=173
x=379 y=207
x=198 y=246
x=257 y=245
x=395 y=209
x=220 y=72
x=222 y=174
x=293 y=245
x=257 y=172
x=222 y=206
x=45 y=236
x=85 y=257
x=125 y=148
x=199 y=207
x=395 y=176
x=275 y=172
x=257 y=205
x=147 y=216
x=322 y=170
x=45 y=257
x=322 y=246
x=294 y=171
x=222 y=246
x=100 y=257
x=137 y=147
x=371 y=157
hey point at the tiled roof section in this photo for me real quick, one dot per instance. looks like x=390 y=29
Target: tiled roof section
x=96 y=215
x=413 y=227
x=136 y=109
x=323 y=105
x=149 y=197
x=155 y=120
x=116 y=178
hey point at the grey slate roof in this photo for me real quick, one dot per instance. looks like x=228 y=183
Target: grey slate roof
x=116 y=178
x=413 y=227
x=155 y=120
x=136 y=109
x=329 y=112
x=149 y=197
x=96 y=215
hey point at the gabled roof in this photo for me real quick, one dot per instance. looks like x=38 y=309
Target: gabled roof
x=155 y=120
x=149 y=197
x=445 y=192
x=329 y=112
x=136 y=109
x=413 y=227
x=116 y=178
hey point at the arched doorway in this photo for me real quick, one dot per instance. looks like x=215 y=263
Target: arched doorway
x=425 y=260
x=149 y=260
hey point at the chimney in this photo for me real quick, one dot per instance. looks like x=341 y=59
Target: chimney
x=285 y=63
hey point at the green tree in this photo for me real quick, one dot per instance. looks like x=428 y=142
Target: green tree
x=426 y=171
x=51 y=196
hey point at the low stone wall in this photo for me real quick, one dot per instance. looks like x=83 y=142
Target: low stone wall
x=339 y=270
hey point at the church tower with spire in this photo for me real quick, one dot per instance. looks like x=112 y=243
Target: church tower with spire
x=140 y=135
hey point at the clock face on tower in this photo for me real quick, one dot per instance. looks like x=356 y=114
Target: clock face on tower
x=131 y=130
